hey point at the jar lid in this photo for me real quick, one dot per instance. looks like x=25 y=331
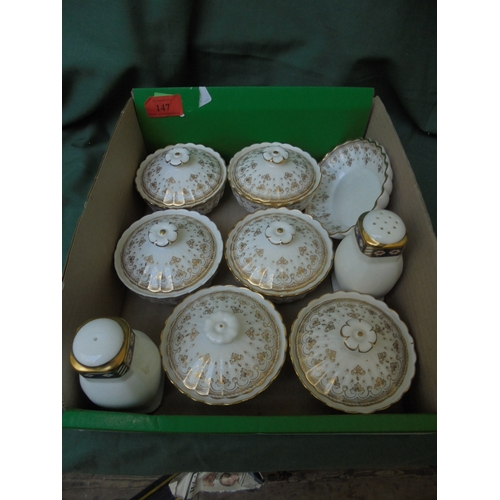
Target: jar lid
x=279 y=252
x=273 y=174
x=169 y=253
x=181 y=176
x=352 y=352
x=103 y=348
x=381 y=233
x=223 y=345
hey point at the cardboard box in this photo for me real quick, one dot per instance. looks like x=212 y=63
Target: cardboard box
x=285 y=427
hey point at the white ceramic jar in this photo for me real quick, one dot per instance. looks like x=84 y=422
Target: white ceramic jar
x=119 y=368
x=273 y=175
x=189 y=176
x=370 y=258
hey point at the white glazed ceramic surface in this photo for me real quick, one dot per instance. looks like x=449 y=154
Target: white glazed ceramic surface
x=273 y=175
x=168 y=254
x=139 y=388
x=280 y=253
x=376 y=269
x=182 y=176
x=356 y=177
x=352 y=352
x=223 y=345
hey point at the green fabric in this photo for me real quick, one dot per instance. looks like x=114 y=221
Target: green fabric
x=111 y=47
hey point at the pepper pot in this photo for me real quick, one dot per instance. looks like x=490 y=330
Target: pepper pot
x=119 y=368
x=370 y=258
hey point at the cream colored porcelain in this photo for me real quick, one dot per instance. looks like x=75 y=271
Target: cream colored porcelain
x=281 y=253
x=370 y=259
x=273 y=175
x=352 y=352
x=119 y=368
x=168 y=254
x=223 y=345
x=182 y=176
x=356 y=177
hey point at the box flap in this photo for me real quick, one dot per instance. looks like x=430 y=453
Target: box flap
x=248 y=115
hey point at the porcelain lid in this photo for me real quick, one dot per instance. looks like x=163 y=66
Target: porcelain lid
x=181 y=176
x=168 y=253
x=223 y=345
x=352 y=352
x=273 y=174
x=279 y=252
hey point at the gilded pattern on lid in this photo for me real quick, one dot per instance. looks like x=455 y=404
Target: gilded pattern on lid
x=273 y=175
x=228 y=372
x=181 y=176
x=278 y=251
x=352 y=354
x=169 y=253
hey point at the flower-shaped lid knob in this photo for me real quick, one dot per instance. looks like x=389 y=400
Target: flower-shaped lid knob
x=279 y=252
x=169 y=253
x=223 y=345
x=181 y=176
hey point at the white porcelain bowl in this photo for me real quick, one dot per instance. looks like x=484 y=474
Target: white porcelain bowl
x=356 y=177
x=352 y=352
x=168 y=254
x=223 y=345
x=283 y=254
x=273 y=175
x=185 y=176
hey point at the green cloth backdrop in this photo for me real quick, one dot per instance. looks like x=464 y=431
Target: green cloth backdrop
x=111 y=47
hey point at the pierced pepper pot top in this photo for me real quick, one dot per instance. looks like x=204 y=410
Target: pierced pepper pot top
x=381 y=233
x=223 y=345
x=168 y=254
x=182 y=176
x=281 y=253
x=103 y=348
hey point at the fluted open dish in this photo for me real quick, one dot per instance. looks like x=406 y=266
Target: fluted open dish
x=356 y=177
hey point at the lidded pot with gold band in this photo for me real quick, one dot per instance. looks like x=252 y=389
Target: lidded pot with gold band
x=370 y=258
x=119 y=368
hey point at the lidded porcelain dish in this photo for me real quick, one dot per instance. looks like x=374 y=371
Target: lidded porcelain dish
x=356 y=177
x=352 y=352
x=283 y=254
x=168 y=254
x=223 y=345
x=185 y=176
x=273 y=175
